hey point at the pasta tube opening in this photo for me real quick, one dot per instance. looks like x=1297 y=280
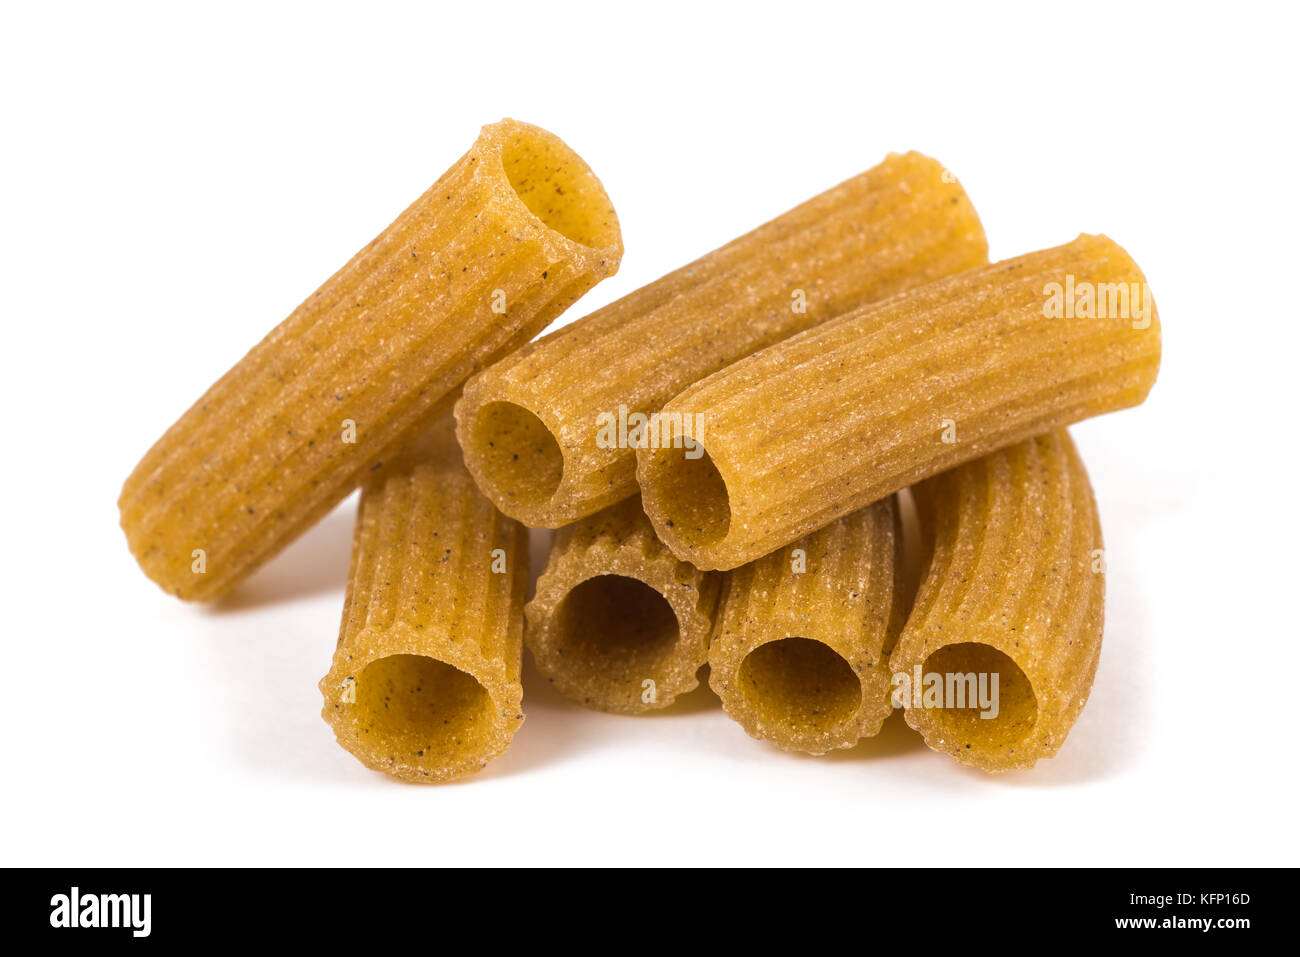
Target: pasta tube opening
x=520 y=459
x=971 y=725
x=801 y=683
x=612 y=624
x=802 y=634
x=427 y=709
x=695 y=505
x=425 y=680
x=617 y=622
x=559 y=188
x=998 y=655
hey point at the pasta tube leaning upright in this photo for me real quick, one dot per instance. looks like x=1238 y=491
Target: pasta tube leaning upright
x=550 y=432
x=617 y=622
x=425 y=685
x=831 y=420
x=504 y=242
x=998 y=655
x=803 y=634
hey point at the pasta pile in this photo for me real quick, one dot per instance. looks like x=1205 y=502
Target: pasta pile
x=725 y=454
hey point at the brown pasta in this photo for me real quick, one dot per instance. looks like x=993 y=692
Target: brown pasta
x=617 y=622
x=840 y=416
x=504 y=242
x=425 y=683
x=546 y=430
x=799 y=656
x=1013 y=594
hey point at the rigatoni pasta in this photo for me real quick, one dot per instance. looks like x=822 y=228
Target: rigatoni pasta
x=507 y=239
x=550 y=432
x=425 y=681
x=770 y=402
x=617 y=622
x=800 y=651
x=999 y=653
x=837 y=417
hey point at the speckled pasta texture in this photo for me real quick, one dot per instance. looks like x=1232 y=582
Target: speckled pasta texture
x=550 y=431
x=835 y=418
x=799 y=654
x=506 y=240
x=425 y=685
x=1010 y=606
x=617 y=623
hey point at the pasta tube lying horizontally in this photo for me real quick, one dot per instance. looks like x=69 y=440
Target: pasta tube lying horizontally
x=425 y=679
x=550 y=431
x=803 y=635
x=617 y=623
x=1008 y=618
x=505 y=241
x=835 y=418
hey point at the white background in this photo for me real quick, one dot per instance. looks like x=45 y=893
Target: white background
x=175 y=182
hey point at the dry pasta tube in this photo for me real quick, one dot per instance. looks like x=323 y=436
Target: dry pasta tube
x=803 y=635
x=550 y=431
x=617 y=623
x=505 y=241
x=831 y=420
x=425 y=680
x=998 y=655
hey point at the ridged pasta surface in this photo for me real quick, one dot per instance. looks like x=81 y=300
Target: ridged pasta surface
x=1014 y=587
x=835 y=418
x=531 y=424
x=618 y=623
x=799 y=655
x=505 y=241
x=425 y=681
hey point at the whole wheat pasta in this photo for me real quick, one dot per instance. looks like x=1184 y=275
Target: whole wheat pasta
x=837 y=417
x=507 y=239
x=425 y=679
x=998 y=655
x=549 y=431
x=803 y=635
x=617 y=623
